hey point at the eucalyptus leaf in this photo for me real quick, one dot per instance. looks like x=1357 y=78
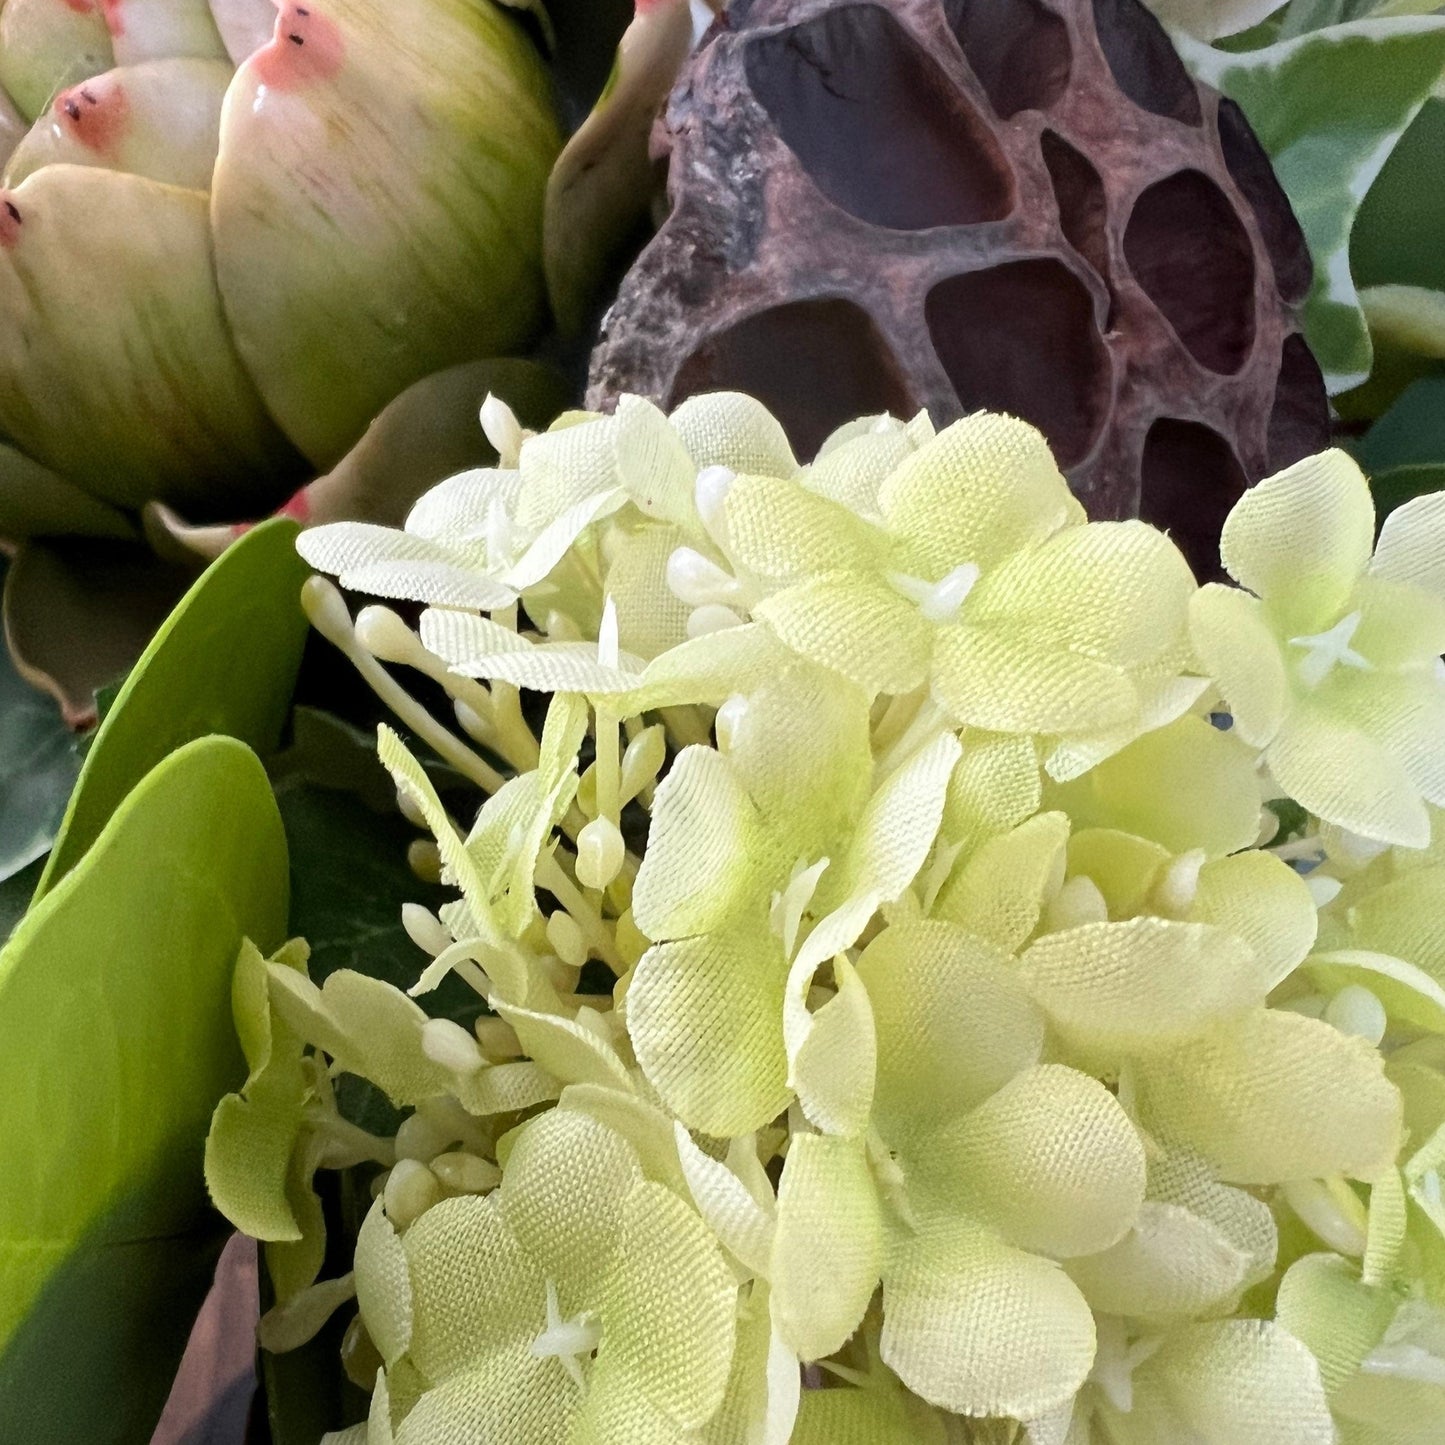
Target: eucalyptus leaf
x=225 y=661
x=1329 y=107
x=115 y=1017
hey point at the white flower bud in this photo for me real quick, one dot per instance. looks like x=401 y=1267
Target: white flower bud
x=447 y=1043
x=697 y=580
x=465 y=1173
x=712 y=618
x=600 y=851
x=383 y=634
x=566 y=939
x=425 y=929
x=1355 y=1010
x=729 y=721
x=325 y=608
x=411 y=1189
x=642 y=761
x=710 y=492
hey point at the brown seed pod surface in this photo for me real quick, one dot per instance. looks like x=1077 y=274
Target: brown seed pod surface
x=1020 y=205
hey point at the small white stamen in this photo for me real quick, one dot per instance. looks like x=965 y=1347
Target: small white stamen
x=789 y=905
x=710 y=492
x=1354 y=1010
x=608 y=652
x=1326 y=649
x=567 y=1341
x=729 y=721
x=1323 y=889
x=446 y=1042
x=938 y=601
x=698 y=580
x=703 y=621
x=1175 y=892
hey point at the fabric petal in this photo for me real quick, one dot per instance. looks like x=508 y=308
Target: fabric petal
x=980 y=1328
x=1051 y=1161
x=1411 y=547
x=1263 y=901
x=1301 y=538
x=1233 y=639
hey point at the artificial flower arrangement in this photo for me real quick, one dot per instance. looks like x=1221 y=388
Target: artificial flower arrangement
x=947 y=975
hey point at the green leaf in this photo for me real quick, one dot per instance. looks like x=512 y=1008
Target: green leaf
x=224 y=662
x=1397 y=235
x=1329 y=107
x=1411 y=433
x=38 y=765
x=117 y=1042
x=1398 y=485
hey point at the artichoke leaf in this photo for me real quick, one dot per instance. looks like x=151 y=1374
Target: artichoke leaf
x=46 y=45
x=389 y=160
x=116 y=368
x=143 y=30
x=160 y=119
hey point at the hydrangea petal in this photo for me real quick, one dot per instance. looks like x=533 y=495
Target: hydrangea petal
x=874 y=1415
x=1186 y=786
x=513 y=1399
x=1234 y=641
x=1275 y=1096
x=1400 y=625
x=1241 y=1380
x=565 y=1048
x=778 y=529
x=953 y=1024
x=1404 y=715
x=1343 y=776
x=383 y=1285
x=728 y=429
x=981 y=489
x=855 y=624
x=1002 y=680
x=1323 y=1303
x=1260 y=899
x=1171 y=1264
x=1051 y=1161
x=1137 y=582
x=705 y=851
x=1143 y=984
x=999 y=892
x=1406 y=918
x=980 y=1328
x=834 y=1068
x=705 y=1018
x=741 y=1224
x=827 y=1248
x=668 y=1309
x=474 y=1291
x=994 y=787
x=1411 y=546
x=1301 y=538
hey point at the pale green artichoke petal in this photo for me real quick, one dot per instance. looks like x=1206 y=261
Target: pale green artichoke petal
x=1171 y=1265
x=439 y=138
x=705 y=1016
x=1300 y=540
x=1330 y=765
x=953 y=1024
x=144 y=30
x=980 y=1328
x=1051 y=1162
x=36 y=502
x=159 y=119
x=1233 y=639
x=982 y=488
x=1274 y=1097
x=243 y=25
x=855 y=624
x=668 y=1311
x=130 y=388
x=827 y=1243
x=1142 y=985
x=1240 y=1380
x=1004 y=680
x=46 y=45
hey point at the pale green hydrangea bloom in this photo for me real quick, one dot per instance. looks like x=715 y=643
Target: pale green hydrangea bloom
x=894 y=961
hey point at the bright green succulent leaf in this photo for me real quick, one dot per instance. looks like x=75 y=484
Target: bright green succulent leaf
x=15 y=894
x=139 y=393
x=115 y=991
x=1328 y=106
x=400 y=261
x=159 y=119
x=34 y=502
x=46 y=45
x=224 y=662
x=38 y=765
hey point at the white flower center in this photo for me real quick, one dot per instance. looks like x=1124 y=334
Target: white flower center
x=1115 y=1361
x=1325 y=650
x=569 y=1341
x=938 y=601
